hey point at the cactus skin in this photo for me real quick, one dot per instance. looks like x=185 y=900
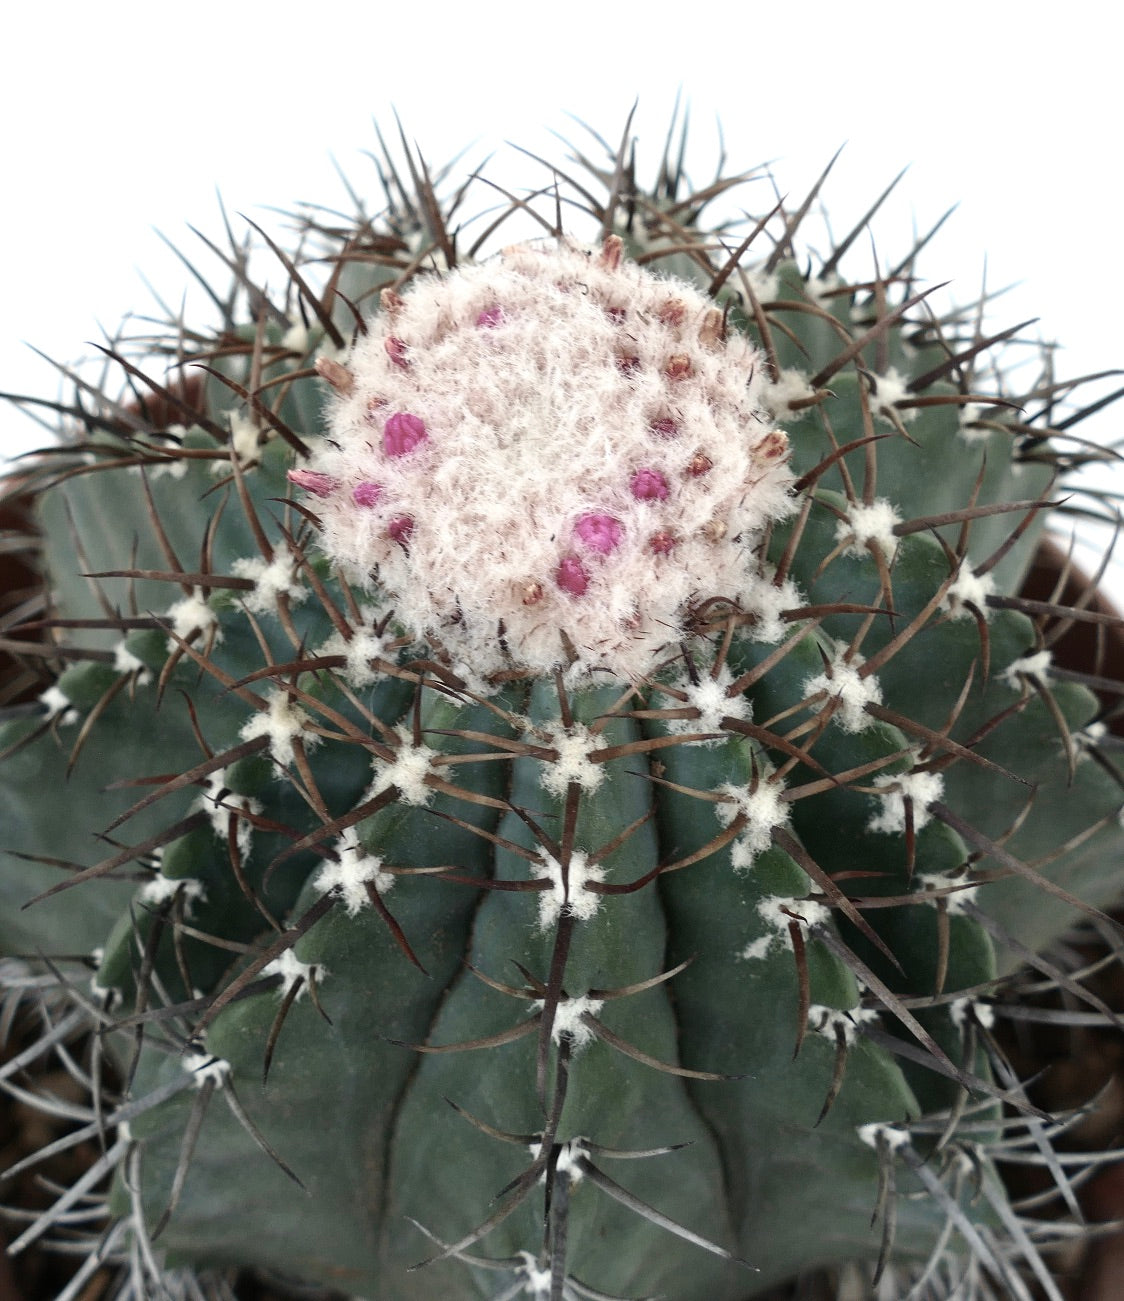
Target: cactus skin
x=542 y=852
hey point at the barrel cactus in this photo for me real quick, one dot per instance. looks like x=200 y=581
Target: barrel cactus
x=543 y=775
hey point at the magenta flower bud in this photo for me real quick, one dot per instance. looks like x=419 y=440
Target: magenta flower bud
x=397 y=351
x=571 y=576
x=321 y=485
x=648 y=485
x=490 y=317
x=400 y=528
x=402 y=433
x=601 y=533
x=366 y=494
x=664 y=427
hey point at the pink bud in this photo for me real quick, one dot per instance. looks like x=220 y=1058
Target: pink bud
x=321 y=485
x=571 y=576
x=662 y=542
x=490 y=317
x=601 y=533
x=366 y=494
x=648 y=485
x=400 y=528
x=664 y=428
x=397 y=351
x=402 y=433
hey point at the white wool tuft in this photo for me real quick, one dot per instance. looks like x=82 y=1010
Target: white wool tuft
x=1035 y=666
x=828 y=1020
x=190 y=615
x=363 y=646
x=791 y=386
x=892 y=388
x=272 y=580
x=955 y=902
x=708 y=696
x=407 y=771
x=245 y=441
x=568 y=1021
x=892 y=1135
x=159 y=889
x=351 y=871
x=58 y=707
x=126 y=663
x=767 y=602
x=853 y=691
x=574 y=745
x=282 y=722
x=291 y=969
x=206 y=1067
x=550 y=443
x=968 y=588
x=579 y=902
x=867 y=526
x=920 y=788
x=778 y=912
x=219 y=802
x=763 y=808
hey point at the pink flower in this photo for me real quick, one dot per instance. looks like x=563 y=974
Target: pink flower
x=366 y=494
x=397 y=351
x=400 y=528
x=402 y=433
x=490 y=317
x=599 y=532
x=320 y=485
x=648 y=485
x=571 y=576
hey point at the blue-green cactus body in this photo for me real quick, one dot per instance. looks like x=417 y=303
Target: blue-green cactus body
x=567 y=979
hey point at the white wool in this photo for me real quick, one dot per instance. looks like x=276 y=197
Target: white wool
x=921 y=788
x=192 y=614
x=58 y=707
x=892 y=388
x=219 y=802
x=291 y=969
x=272 y=579
x=779 y=912
x=968 y=587
x=764 y=809
x=955 y=902
x=126 y=663
x=568 y=1021
x=971 y=428
x=853 y=691
x=408 y=771
x=245 y=433
x=893 y=1136
x=708 y=696
x=204 y=1067
x=363 y=646
x=790 y=386
x=866 y=526
x=574 y=745
x=1036 y=666
x=160 y=888
x=282 y=722
x=828 y=1020
x=540 y=389
x=351 y=871
x=960 y=1008
x=767 y=601
x=580 y=902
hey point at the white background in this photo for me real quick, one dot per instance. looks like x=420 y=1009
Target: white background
x=121 y=119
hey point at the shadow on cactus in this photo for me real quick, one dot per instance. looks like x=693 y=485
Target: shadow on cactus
x=549 y=773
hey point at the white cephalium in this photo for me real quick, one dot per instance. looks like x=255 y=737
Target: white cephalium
x=553 y=444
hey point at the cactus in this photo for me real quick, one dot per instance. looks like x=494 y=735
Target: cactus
x=548 y=777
